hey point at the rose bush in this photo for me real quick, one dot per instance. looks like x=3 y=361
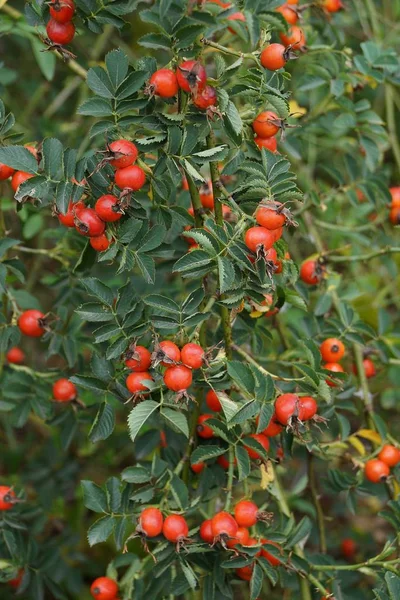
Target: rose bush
x=199 y=274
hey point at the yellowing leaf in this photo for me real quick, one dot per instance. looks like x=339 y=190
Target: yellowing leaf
x=267 y=475
x=355 y=442
x=369 y=434
x=396 y=489
x=296 y=110
x=255 y=314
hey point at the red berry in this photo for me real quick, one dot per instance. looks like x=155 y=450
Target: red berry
x=246 y=513
x=130 y=178
x=125 y=153
x=294 y=38
x=394 y=215
x=335 y=368
x=134 y=381
x=223 y=524
x=62 y=11
x=270 y=557
x=311 y=272
x=308 y=408
x=104 y=588
x=212 y=401
x=164 y=83
x=273 y=57
x=224 y=462
x=5 y=172
x=267 y=124
x=64 y=390
x=242 y=537
x=31 y=323
x=207 y=196
x=88 y=223
x=369 y=368
x=178 y=378
x=108 y=208
x=191 y=76
x=332 y=6
x=269 y=217
x=273 y=428
x=348 y=547
x=139 y=359
x=150 y=522
x=204 y=431
x=245 y=573
x=7 y=497
x=268 y=143
x=261 y=439
x=175 y=528
x=332 y=350
x=376 y=470
x=205 y=532
x=390 y=455
x=206 y=98
x=198 y=467
x=258 y=238
x=60 y=33
x=18 y=178
x=171 y=351
x=68 y=220
x=288 y=14
x=15 y=356
x=192 y=355
x=286 y=407
x=100 y=243
x=16 y=582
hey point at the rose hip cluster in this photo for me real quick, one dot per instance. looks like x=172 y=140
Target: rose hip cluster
x=223 y=530
x=60 y=28
x=191 y=77
x=91 y=222
x=179 y=363
x=377 y=470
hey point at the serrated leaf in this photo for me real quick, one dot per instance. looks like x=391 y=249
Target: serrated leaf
x=202 y=453
x=139 y=415
x=103 y=424
x=117 y=66
x=176 y=420
x=94 y=497
x=97 y=288
x=243 y=462
x=234 y=118
x=226 y=274
x=99 y=82
x=19 y=158
x=101 y=530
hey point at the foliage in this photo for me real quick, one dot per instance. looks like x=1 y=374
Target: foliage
x=85 y=469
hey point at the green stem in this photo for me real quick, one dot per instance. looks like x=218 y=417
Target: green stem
x=355 y=567
x=391 y=123
x=195 y=198
x=231 y=51
x=364 y=257
x=230 y=478
x=253 y=362
x=367 y=399
x=315 y=497
x=219 y=219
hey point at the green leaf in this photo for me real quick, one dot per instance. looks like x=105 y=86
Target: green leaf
x=153 y=238
x=243 y=462
x=176 y=420
x=95 y=107
x=147 y=267
x=53 y=154
x=155 y=40
x=100 y=531
x=192 y=260
x=63 y=196
x=202 y=453
x=89 y=383
x=94 y=497
x=6 y=244
x=99 y=82
x=189 y=574
x=45 y=60
x=233 y=117
x=132 y=84
x=301 y=531
x=159 y=302
x=245 y=411
x=97 y=288
x=179 y=492
x=103 y=424
x=256 y=582
x=139 y=415
x=226 y=274
x=117 y=66
x=95 y=312
x=393 y=585
x=19 y=158
x=229 y=407
x=242 y=376
x=137 y=474
x=267 y=410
